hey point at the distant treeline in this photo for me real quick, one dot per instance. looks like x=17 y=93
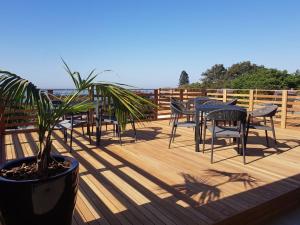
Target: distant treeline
x=244 y=75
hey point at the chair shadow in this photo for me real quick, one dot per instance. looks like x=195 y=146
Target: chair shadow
x=199 y=193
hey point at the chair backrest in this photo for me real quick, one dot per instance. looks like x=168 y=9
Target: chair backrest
x=232 y=102
x=267 y=111
x=176 y=108
x=228 y=115
x=201 y=100
x=214 y=102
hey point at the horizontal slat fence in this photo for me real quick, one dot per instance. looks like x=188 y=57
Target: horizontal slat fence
x=20 y=119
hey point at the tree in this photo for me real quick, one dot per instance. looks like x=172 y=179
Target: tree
x=264 y=78
x=214 y=77
x=184 y=78
x=240 y=68
x=297 y=72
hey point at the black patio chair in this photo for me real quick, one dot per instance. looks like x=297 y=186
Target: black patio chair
x=184 y=107
x=108 y=117
x=177 y=111
x=265 y=112
x=238 y=117
x=73 y=121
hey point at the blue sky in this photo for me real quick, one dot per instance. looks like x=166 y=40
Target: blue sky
x=146 y=43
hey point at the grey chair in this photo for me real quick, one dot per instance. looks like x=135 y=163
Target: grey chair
x=107 y=116
x=238 y=117
x=177 y=112
x=111 y=119
x=72 y=121
x=265 y=112
x=184 y=107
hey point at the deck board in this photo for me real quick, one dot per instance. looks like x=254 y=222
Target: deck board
x=147 y=183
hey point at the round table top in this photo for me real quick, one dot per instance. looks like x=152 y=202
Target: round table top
x=212 y=107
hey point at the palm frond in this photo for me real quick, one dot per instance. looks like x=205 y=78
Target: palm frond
x=126 y=103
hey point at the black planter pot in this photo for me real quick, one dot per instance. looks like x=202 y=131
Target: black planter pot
x=39 y=202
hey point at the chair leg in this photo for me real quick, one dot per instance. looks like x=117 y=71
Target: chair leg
x=266 y=132
x=171 y=137
x=82 y=128
x=273 y=130
x=65 y=134
x=89 y=133
x=247 y=131
x=243 y=149
x=119 y=133
x=204 y=137
x=212 y=148
x=238 y=145
x=100 y=131
x=71 y=140
x=174 y=133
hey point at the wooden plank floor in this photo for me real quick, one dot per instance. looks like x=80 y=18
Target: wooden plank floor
x=147 y=183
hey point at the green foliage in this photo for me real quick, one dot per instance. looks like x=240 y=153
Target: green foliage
x=246 y=75
x=214 y=77
x=14 y=91
x=264 y=78
x=184 y=78
x=239 y=69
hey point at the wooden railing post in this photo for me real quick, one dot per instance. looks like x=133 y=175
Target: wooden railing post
x=156 y=103
x=224 y=95
x=251 y=100
x=284 y=108
x=181 y=94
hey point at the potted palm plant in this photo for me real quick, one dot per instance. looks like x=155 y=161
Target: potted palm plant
x=42 y=189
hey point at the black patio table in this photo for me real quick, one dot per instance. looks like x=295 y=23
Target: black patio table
x=206 y=108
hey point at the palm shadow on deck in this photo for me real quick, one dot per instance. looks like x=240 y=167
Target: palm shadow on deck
x=124 y=193
x=167 y=210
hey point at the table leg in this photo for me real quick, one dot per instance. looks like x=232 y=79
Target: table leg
x=201 y=127
x=197 y=132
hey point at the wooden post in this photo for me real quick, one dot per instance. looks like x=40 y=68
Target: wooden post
x=156 y=103
x=251 y=100
x=224 y=95
x=181 y=94
x=284 y=108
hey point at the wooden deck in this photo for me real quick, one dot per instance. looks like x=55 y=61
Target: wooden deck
x=147 y=183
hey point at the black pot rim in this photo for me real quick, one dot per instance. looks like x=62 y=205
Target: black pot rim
x=74 y=163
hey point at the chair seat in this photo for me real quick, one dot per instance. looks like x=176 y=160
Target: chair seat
x=185 y=124
x=260 y=127
x=189 y=112
x=66 y=124
x=225 y=131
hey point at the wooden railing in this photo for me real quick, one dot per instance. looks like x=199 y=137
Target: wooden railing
x=288 y=102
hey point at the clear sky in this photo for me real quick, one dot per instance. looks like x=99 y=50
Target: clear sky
x=146 y=42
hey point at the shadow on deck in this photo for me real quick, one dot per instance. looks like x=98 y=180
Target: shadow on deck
x=147 y=183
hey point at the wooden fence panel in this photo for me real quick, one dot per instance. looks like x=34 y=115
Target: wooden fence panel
x=288 y=102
